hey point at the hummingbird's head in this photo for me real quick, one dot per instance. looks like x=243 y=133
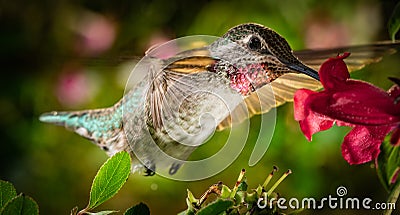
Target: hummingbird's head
x=267 y=55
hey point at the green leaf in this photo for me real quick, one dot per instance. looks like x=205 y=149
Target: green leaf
x=21 y=205
x=109 y=179
x=243 y=186
x=240 y=196
x=216 y=207
x=259 y=190
x=388 y=163
x=139 y=209
x=101 y=212
x=225 y=192
x=251 y=198
x=394 y=22
x=7 y=192
x=187 y=212
x=190 y=210
x=182 y=213
x=191 y=198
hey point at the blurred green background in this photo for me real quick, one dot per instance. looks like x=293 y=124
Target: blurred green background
x=70 y=55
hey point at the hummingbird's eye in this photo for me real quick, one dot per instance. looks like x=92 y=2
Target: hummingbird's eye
x=254 y=44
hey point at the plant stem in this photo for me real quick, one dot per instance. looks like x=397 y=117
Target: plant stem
x=278 y=182
x=235 y=188
x=268 y=179
x=393 y=196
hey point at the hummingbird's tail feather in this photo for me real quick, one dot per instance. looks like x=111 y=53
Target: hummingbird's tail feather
x=71 y=120
x=74 y=120
x=57 y=118
x=96 y=125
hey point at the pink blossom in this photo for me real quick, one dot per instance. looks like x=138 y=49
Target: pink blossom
x=371 y=111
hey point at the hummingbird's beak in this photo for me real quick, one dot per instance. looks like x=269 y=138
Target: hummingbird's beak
x=305 y=70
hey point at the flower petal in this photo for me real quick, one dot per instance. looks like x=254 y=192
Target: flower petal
x=310 y=122
x=360 y=103
x=361 y=144
x=314 y=123
x=300 y=104
x=334 y=72
x=355 y=101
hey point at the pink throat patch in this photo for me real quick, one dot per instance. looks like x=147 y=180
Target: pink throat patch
x=247 y=79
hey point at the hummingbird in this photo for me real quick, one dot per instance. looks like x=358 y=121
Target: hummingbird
x=164 y=112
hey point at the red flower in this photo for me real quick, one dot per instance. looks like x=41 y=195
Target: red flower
x=371 y=111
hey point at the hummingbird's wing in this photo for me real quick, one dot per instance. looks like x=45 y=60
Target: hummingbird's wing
x=172 y=112
x=171 y=86
x=361 y=55
x=284 y=87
